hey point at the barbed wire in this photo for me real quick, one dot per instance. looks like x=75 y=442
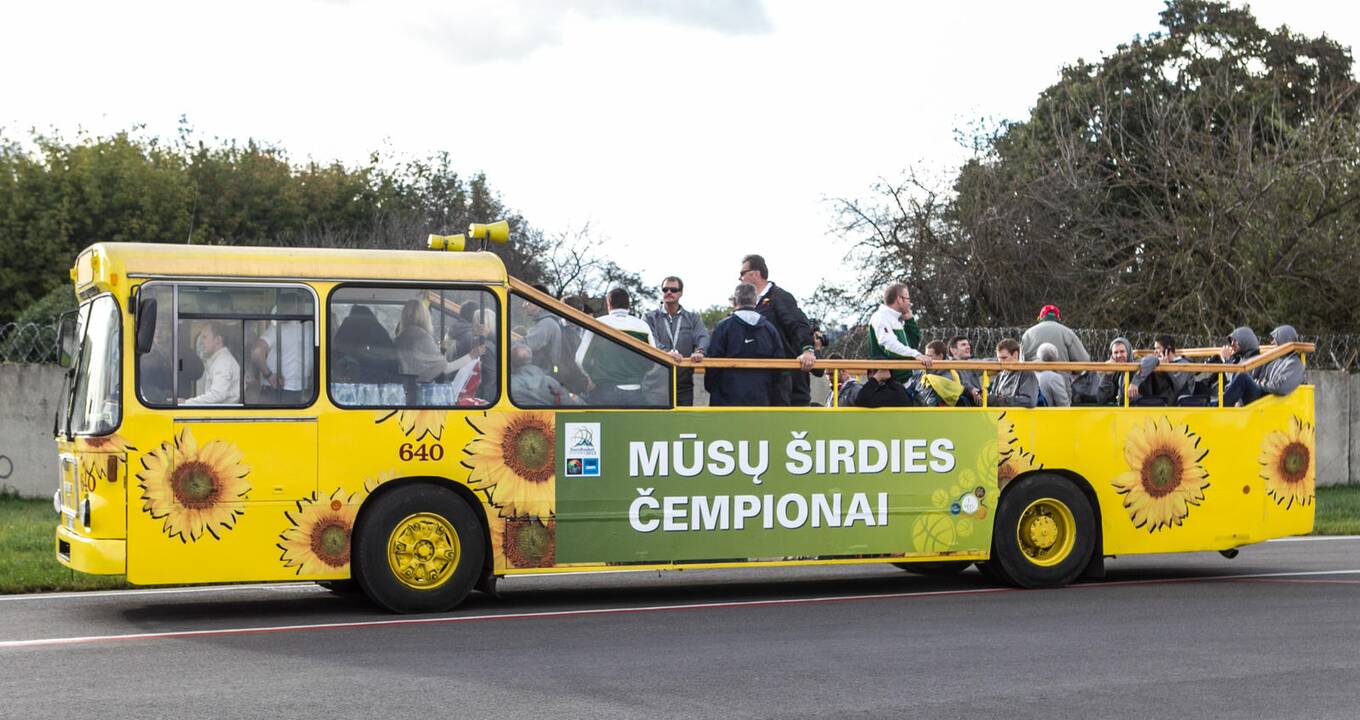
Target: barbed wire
x=28 y=343
x=36 y=343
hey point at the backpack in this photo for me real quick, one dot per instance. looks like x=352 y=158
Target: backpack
x=849 y=392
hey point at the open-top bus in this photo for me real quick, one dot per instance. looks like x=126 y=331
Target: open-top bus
x=366 y=428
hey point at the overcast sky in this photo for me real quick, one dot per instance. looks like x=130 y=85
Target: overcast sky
x=687 y=133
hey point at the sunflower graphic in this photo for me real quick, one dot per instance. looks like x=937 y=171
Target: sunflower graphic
x=417 y=424
x=317 y=541
x=523 y=541
x=194 y=490
x=1006 y=441
x=512 y=457
x=1165 y=474
x=1015 y=464
x=1287 y=464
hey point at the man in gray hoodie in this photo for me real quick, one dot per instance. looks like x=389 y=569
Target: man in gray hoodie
x=1094 y=388
x=1148 y=387
x=1277 y=377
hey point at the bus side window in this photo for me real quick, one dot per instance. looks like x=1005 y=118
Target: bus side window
x=230 y=345
x=413 y=347
x=557 y=362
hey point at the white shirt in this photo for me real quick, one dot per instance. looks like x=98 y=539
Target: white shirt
x=884 y=324
x=296 y=364
x=622 y=320
x=221 y=381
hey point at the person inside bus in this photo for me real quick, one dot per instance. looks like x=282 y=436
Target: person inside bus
x=363 y=350
x=1147 y=387
x=418 y=356
x=744 y=334
x=282 y=354
x=616 y=373
x=1056 y=387
x=1012 y=388
x=222 y=374
x=1277 y=377
x=544 y=335
x=530 y=386
x=156 y=379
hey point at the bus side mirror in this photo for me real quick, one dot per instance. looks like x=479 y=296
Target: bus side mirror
x=146 y=325
x=66 y=339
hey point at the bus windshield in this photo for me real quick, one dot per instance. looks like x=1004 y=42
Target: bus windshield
x=95 y=405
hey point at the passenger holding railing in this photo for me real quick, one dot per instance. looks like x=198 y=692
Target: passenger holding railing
x=1277 y=377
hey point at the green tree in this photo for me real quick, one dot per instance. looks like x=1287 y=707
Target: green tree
x=1202 y=177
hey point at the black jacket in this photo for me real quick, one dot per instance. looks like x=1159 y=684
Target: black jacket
x=882 y=394
x=781 y=309
x=736 y=337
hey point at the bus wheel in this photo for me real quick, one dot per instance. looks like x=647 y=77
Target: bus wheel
x=943 y=567
x=1044 y=532
x=420 y=549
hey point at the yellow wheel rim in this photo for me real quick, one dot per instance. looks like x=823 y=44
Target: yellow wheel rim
x=423 y=551
x=1046 y=532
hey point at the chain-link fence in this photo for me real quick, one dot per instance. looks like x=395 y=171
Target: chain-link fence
x=28 y=343
x=37 y=343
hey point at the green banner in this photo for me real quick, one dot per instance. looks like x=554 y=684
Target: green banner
x=658 y=487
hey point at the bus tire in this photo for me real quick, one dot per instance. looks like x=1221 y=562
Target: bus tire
x=419 y=549
x=942 y=567
x=1044 y=532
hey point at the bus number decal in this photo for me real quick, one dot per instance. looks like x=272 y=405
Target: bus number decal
x=425 y=453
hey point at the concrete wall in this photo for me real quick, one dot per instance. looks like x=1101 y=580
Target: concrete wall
x=28 y=455
x=28 y=397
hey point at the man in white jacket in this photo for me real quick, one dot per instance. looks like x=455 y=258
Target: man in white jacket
x=221 y=372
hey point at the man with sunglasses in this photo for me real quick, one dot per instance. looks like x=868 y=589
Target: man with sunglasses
x=679 y=332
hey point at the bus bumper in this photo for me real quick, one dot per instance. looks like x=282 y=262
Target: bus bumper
x=90 y=556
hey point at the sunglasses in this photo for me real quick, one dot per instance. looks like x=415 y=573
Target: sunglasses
x=670 y=289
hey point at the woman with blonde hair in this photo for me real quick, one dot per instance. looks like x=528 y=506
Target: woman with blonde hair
x=417 y=353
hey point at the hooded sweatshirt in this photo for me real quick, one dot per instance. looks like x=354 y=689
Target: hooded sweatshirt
x=1280 y=377
x=744 y=334
x=1110 y=387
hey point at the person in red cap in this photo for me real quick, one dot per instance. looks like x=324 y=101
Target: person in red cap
x=1049 y=330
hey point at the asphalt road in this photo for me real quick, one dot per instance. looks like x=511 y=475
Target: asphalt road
x=1271 y=634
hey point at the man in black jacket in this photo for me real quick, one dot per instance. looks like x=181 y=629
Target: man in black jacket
x=780 y=307
x=743 y=334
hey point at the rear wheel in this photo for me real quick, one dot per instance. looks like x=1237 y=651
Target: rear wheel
x=942 y=567
x=1044 y=532
x=420 y=549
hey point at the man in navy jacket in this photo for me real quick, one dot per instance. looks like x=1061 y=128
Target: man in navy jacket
x=744 y=334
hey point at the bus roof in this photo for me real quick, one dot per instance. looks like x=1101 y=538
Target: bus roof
x=102 y=264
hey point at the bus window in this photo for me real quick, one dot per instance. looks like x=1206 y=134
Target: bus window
x=95 y=409
x=232 y=346
x=556 y=362
x=413 y=347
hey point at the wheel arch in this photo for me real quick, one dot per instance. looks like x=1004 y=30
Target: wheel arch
x=459 y=489
x=1094 y=568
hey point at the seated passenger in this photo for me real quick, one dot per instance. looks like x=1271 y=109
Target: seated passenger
x=882 y=390
x=745 y=334
x=961 y=348
x=362 y=350
x=1153 y=388
x=1093 y=388
x=530 y=386
x=1277 y=377
x=1012 y=388
x=417 y=354
x=937 y=388
x=1055 y=386
x=221 y=375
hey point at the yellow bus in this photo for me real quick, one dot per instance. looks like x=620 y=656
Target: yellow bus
x=384 y=420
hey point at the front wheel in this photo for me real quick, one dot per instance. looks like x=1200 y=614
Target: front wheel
x=420 y=549
x=1044 y=532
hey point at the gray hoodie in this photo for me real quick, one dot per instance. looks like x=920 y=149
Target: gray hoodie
x=1014 y=388
x=1111 y=388
x=1280 y=377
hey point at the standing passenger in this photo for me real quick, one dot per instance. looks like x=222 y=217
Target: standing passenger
x=1049 y=330
x=779 y=307
x=679 y=332
x=744 y=334
x=616 y=374
x=893 y=333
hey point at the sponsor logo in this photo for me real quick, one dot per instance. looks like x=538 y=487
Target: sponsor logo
x=582 y=449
